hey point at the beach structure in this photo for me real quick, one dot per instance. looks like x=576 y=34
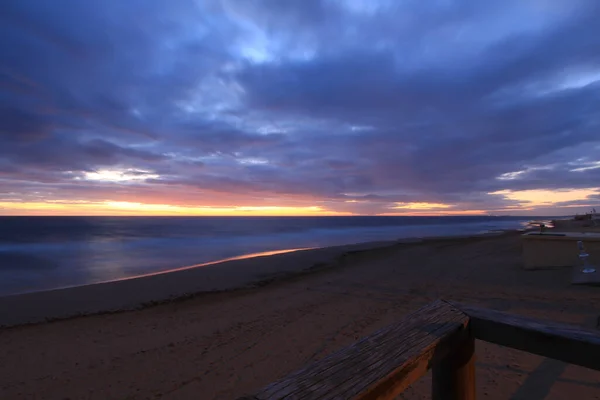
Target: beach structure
x=585 y=273
x=586 y=267
x=595 y=218
x=440 y=336
x=550 y=249
x=583 y=221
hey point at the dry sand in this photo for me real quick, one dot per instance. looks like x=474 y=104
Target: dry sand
x=224 y=345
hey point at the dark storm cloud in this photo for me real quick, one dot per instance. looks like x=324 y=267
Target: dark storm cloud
x=456 y=130
x=64 y=153
x=365 y=79
x=356 y=105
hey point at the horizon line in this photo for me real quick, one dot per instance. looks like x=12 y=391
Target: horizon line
x=274 y=216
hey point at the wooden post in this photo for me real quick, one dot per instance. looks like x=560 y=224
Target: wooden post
x=440 y=335
x=454 y=376
x=379 y=366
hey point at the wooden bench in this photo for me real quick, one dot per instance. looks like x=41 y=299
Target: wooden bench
x=440 y=336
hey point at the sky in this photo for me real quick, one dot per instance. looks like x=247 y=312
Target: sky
x=275 y=107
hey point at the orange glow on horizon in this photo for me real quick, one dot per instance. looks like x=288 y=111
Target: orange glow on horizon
x=424 y=209
x=436 y=213
x=125 y=208
x=421 y=206
x=524 y=200
x=533 y=198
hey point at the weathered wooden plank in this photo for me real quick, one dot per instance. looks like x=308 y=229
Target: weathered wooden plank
x=379 y=366
x=454 y=375
x=568 y=343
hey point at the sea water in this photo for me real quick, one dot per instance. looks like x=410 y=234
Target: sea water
x=41 y=253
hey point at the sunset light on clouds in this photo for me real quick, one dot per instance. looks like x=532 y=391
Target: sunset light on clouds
x=157 y=107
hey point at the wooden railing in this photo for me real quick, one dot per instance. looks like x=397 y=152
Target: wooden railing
x=440 y=336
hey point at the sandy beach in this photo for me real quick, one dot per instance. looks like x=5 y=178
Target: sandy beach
x=227 y=344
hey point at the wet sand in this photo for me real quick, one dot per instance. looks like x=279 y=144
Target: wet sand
x=225 y=345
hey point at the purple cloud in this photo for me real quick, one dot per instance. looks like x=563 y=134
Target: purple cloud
x=355 y=106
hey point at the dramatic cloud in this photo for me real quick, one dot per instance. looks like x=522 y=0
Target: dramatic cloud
x=370 y=107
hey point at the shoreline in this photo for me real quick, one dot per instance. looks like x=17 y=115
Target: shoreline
x=236 y=273
x=177 y=269
x=34 y=264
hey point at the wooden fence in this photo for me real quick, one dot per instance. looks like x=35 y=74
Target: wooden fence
x=440 y=336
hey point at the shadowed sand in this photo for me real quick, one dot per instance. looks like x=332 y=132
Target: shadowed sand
x=224 y=345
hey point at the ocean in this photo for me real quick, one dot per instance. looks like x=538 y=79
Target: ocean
x=41 y=253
